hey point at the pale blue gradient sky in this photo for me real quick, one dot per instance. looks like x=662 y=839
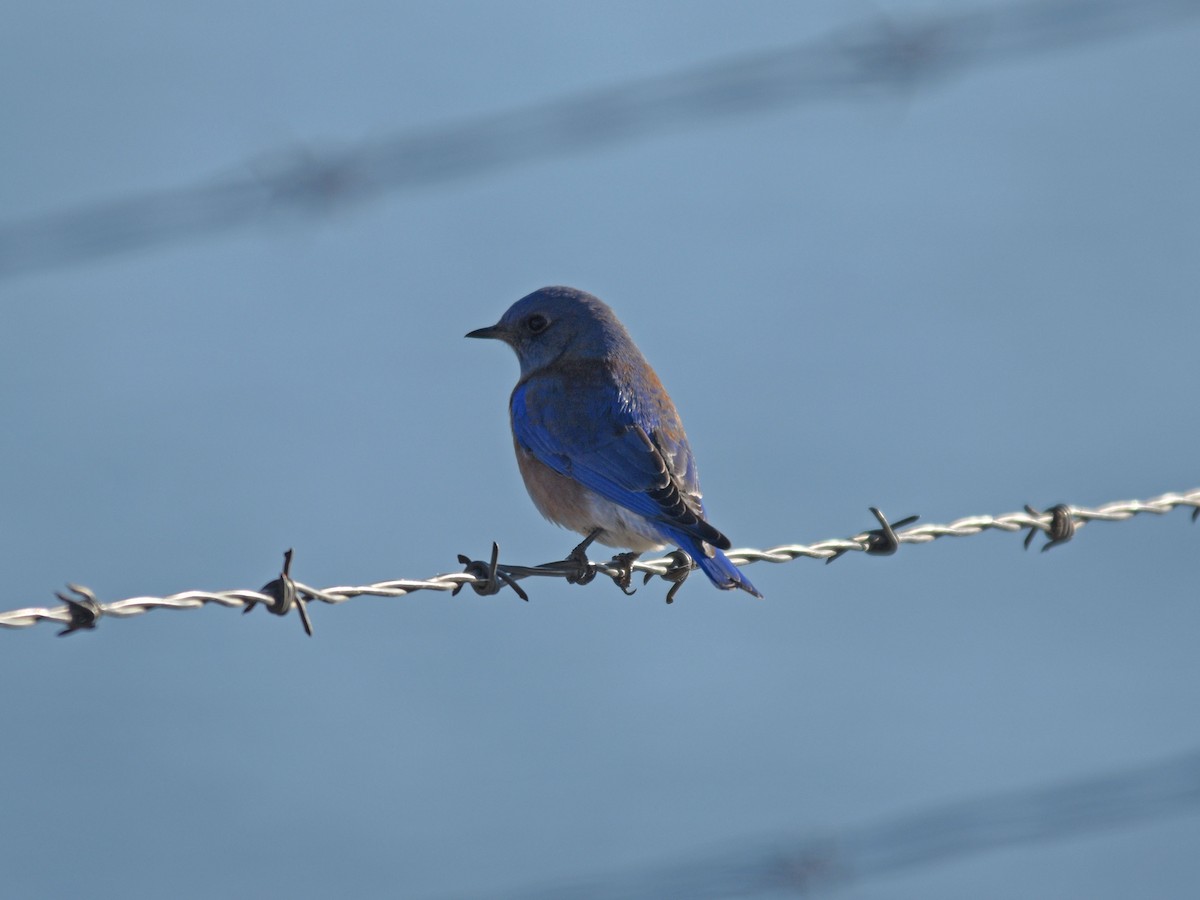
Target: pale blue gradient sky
x=950 y=301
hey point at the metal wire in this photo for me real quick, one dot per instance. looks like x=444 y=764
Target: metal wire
x=878 y=55
x=82 y=609
x=822 y=864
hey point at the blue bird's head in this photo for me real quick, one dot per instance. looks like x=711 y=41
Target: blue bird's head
x=558 y=323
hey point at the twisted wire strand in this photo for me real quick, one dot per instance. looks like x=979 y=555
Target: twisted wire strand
x=83 y=610
x=878 y=55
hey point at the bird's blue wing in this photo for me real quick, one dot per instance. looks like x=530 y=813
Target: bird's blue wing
x=635 y=457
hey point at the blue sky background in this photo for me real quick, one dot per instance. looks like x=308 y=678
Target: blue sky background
x=949 y=300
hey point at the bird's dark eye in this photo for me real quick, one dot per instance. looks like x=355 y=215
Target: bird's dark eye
x=537 y=323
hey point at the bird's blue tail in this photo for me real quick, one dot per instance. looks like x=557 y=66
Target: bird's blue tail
x=718 y=568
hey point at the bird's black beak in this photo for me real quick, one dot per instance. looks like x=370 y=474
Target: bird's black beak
x=492 y=331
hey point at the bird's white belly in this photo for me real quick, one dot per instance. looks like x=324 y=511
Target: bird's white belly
x=568 y=503
x=622 y=527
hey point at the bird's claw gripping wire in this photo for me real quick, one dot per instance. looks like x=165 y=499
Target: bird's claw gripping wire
x=576 y=567
x=679 y=570
x=880 y=541
x=284 y=596
x=623 y=563
x=84 y=608
x=579 y=558
x=489 y=577
x=1062 y=525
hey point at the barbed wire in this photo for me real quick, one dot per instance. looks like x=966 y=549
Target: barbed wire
x=821 y=864
x=82 y=609
x=879 y=55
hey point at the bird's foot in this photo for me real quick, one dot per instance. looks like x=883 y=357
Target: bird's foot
x=681 y=568
x=623 y=563
x=581 y=570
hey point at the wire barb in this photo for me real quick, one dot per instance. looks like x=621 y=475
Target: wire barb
x=83 y=610
x=1060 y=528
x=489 y=578
x=284 y=595
x=880 y=541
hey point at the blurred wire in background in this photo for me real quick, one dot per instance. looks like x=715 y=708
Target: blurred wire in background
x=821 y=864
x=878 y=56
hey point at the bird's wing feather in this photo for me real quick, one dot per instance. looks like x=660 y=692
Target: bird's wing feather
x=627 y=455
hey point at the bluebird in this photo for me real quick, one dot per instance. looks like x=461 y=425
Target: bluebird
x=598 y=441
